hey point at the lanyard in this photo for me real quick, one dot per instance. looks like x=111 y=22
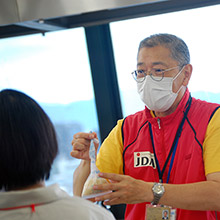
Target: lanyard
x=32 y=206
x=174 y=145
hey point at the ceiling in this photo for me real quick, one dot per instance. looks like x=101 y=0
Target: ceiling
x=22 y=17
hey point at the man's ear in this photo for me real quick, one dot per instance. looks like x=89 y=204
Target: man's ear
x=187 y=74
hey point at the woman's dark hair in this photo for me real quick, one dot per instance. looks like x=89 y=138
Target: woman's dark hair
x=28 y=143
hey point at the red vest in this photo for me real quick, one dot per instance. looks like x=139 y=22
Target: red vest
x=187 y=166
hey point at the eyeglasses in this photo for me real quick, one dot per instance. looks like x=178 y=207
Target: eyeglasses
x=155 y=73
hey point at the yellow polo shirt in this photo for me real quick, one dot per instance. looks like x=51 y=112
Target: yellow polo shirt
x=110 y=158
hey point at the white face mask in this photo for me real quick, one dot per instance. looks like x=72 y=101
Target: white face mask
x=158 y=95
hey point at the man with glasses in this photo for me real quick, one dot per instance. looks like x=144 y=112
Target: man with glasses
x=166 y=154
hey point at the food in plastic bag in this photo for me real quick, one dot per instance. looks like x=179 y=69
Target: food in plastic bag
x=88 y=191
x=93 y=178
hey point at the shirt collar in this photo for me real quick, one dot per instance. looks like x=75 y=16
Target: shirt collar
x=180 y=107
x=40 y=195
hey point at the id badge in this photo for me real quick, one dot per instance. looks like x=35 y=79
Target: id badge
x=160 y=212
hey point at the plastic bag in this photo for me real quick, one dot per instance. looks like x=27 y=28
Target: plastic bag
x=93 y=178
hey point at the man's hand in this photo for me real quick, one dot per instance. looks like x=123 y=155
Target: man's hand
x=81 y=143
x=202 y=195
x=125 y=189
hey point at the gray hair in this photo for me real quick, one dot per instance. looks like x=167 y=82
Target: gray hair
x=178 y=48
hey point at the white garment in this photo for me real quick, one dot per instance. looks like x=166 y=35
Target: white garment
x=51 y=203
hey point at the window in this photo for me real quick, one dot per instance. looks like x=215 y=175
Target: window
x=54 y=70
x=197 y=27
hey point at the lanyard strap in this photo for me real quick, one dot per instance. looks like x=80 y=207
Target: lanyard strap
x=174 y=145
x=32 y=206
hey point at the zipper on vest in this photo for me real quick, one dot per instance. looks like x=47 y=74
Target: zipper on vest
x=158 y=122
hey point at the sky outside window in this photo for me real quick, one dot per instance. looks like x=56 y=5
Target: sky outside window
x=48 y=67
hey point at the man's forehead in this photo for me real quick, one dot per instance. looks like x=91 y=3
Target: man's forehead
x=153 y=56
x=153 y=63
